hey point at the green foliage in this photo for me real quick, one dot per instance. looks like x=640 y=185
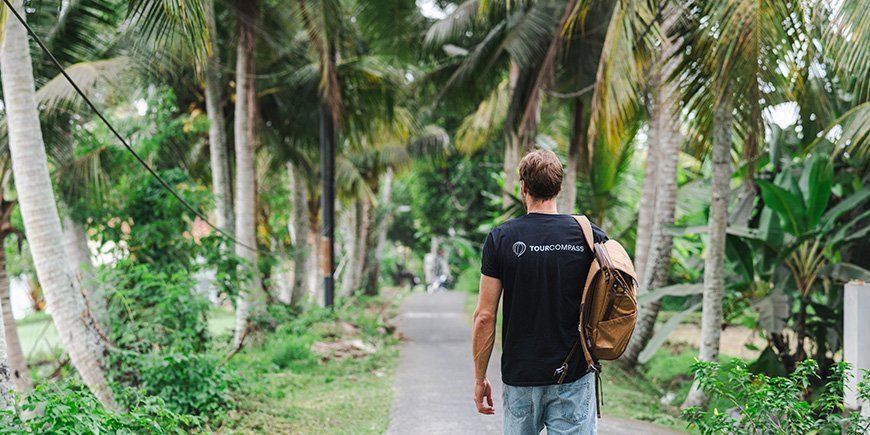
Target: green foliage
x=153 y=225
x=70 y=408
x=775 y=405
x=190 y=383
x=159 y=325
x=154 y=310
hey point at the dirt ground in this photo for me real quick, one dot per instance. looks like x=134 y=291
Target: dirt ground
x=733 y=340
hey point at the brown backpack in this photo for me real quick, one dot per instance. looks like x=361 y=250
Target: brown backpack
x=608 y=305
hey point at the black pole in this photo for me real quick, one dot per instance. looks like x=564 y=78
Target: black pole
x=327 y=198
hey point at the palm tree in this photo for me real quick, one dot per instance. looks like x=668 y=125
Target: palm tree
x=19 y=372
x=39 y=211
x=217 y=135
x=246 y=173
x=714 y=262
x=664 y=129
x=507 y=58
x=7 y=400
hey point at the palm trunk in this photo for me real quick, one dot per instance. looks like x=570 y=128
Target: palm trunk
x=385 y=205
x=75 y=238
x=39 y=211
x=217 y=136
x=646 y=211
x=659 y=254
x=356 y=266
x=76 y=247
x=283 y=287
x=299 y=234
x=20 y=374
x=245 y=138
x=714 y=263
x=315 y=264
x=315 y=261
x=7 y=400
x=511 y=146
x=568 y=197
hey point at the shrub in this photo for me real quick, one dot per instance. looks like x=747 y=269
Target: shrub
x=195 y=384
x=70 y=408
x=160 y=331
x=775 y=405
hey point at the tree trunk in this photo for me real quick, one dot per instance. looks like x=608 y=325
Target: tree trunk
x=217 y=136
x=299 y=234
x=315 y=261
x=245 y=142
x=646 y=210
x=39 y=211
x=20 y=374
x=714 y=263
x=362 y=228
x=511 y=146
x=75 y=238
x=383 y=215
x=82 y=267
x=7 y=400
x=659 y=254
x=568 y=197
x=282 y=285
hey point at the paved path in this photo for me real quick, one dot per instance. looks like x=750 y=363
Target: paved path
x=434 y=379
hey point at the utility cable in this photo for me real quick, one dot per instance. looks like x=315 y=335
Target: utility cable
x=123 y=141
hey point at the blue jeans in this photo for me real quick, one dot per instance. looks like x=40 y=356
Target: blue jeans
x=562 y=409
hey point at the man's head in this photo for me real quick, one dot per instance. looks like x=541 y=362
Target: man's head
x=541 y=176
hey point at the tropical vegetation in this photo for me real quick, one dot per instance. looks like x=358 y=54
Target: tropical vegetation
x=248 y=185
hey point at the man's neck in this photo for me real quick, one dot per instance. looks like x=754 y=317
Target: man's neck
x=543 y=207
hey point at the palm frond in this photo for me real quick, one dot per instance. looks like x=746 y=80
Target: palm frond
x=100 y=76
x=620 y=80
x=847 y=44
x=477 y=129
x=161 y=21
x=454 y=26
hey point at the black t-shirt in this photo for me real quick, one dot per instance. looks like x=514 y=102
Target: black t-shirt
x=542 y=261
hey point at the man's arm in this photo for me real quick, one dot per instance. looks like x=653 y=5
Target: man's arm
x=483 y=340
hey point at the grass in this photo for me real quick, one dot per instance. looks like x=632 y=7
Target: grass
x=284 y=387
x=288 y=389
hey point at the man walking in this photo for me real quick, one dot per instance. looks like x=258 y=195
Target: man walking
x=538 y=263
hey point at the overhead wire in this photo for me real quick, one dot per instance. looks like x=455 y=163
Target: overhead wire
x=123 y=141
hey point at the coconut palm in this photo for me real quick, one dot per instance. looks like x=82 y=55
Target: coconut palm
x=39 y=210
x=18 y=371
x=246 y=145
x=7 y=400
x=217 y=135
x=504 y=55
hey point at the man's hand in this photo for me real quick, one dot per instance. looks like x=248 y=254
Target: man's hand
x=483 y=391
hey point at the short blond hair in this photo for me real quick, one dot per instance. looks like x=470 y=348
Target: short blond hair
x=541 y=171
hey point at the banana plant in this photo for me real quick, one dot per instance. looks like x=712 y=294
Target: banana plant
x=797 y=258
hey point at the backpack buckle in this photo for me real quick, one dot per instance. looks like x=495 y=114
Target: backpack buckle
x=560 y=370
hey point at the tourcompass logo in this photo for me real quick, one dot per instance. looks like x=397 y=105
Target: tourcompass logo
x=519 y=248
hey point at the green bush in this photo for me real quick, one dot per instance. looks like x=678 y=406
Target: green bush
x=195 y=384
x=160 y=330
x=775 y=405
x=70 y=408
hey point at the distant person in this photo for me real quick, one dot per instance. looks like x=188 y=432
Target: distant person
x=538 y=263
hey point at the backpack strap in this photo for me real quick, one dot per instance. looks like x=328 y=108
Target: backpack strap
x=586 y=229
